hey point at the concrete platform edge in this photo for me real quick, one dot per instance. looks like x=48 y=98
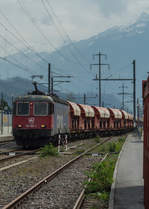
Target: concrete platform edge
x=111 y=199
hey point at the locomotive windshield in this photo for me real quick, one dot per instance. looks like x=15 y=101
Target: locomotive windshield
x=23 y=108
x=41 y=108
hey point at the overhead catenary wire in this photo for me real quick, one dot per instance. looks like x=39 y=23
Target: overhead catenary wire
x=19 y=50
x=21 y=38
x=64 y=31
x=15 y=64
x=41 y=32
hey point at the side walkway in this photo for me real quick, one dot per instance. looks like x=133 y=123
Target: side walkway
x=129 y=184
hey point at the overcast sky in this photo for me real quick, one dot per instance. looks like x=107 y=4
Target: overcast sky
x=45 y=23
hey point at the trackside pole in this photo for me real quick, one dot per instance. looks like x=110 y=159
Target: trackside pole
x=66 y=142
x=8 y=121
x=59 y=142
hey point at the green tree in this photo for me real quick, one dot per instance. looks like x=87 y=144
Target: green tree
x=4 y=105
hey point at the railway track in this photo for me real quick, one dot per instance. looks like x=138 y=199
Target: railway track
x=81 y=197
x=17 y=154
x=7 y=141
x=62 y=175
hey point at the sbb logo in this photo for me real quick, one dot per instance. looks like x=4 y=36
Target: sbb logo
x=31 y=120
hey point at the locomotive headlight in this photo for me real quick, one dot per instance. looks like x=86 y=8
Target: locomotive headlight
x=19 y=126
x=43 y=126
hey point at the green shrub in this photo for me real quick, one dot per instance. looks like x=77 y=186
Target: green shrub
x=101 y=177
x=122 y=139
x=104 y=196
x=112 y=147
x=48 y=149
x=102 y=148
x=97 y=139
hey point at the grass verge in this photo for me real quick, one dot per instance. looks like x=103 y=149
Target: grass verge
x=101 y=174
x=47 y=150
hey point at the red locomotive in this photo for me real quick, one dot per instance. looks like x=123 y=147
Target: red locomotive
x=145 y=85
x=39 y=119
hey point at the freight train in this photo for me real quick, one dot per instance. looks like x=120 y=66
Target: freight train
x=39 y=119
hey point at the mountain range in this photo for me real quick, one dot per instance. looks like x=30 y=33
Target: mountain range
x=121 y=44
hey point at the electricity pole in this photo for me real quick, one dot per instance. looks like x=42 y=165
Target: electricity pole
x=134 y=89
x=87 y=97
x=99 y=76
x=123 y=93
x=49 y=78
x=138 y=112
x=127 y=79
x=84 y=98
x=58 y=81
x=2 y=113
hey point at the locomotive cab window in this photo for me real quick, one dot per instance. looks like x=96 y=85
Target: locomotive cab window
x=50 y=108
x=23 y=108
x=40 y=108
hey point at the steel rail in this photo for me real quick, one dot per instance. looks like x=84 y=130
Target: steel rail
x=18 y=155
x=16 y=202
x=81 y=197
x=6 y=141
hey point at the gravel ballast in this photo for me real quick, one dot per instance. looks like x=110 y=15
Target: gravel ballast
x=18 y=179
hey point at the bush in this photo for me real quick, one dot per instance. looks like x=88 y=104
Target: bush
x=102 y=148
x=48 y=149
x=104 y=196
x=121 y=139
x=101 y=177
x=112 y=147
x=97 y=139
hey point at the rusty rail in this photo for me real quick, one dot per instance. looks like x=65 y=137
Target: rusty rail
x=18 y=155
x=16 y=202
x=81 y=197
x=6 y=141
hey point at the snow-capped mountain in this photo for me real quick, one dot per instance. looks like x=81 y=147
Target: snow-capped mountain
x=122 y=44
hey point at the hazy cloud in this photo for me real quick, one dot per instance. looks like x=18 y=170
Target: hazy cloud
x=46 y=20
x=81 y=19
x=113 y=6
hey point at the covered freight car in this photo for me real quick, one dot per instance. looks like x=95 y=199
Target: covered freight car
x=102 y=120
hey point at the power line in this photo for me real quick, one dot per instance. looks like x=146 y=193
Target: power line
x=59 y=32
x=40 y=31
x=26 y=43
x=99 y=65
x=123 y=93
x=19 y=50
x=134 y=86
x=10 y=62
x=27 y=57
x=16 y=61
x=64 y=31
